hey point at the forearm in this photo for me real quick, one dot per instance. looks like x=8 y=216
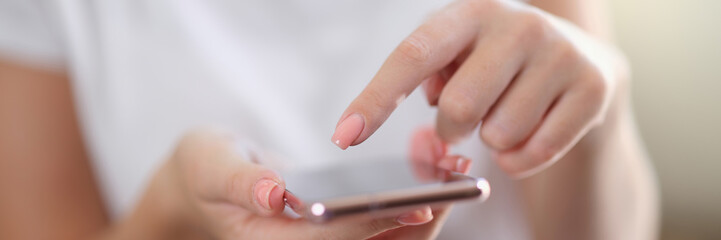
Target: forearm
x=47 y=188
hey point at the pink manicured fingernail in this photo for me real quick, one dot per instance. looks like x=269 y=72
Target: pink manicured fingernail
x=348 y=130
x=438 y=146
x=463 y=165
x=263 y=190
x=414 y=218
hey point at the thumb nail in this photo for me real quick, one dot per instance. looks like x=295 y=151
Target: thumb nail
x=463 y=165
x=263 y=190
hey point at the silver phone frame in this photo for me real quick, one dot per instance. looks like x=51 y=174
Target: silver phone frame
x=388 y=203
x=395 y=202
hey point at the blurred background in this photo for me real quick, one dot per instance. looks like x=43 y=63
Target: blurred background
x=675 y=50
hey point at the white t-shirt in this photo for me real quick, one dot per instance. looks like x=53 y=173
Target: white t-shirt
x=278 y=72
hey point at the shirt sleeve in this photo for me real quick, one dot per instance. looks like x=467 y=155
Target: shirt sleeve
x=28 y=33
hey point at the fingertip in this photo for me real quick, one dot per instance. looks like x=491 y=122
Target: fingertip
x=338 y=143
x=448 y=163
x=348 y=131
x=455 y=163
x=268 y=195
x=463 y=165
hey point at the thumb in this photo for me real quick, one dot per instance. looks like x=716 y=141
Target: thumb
x=215 y=170
x=255 y=188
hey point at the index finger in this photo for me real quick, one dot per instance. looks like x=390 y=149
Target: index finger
x=427 y=50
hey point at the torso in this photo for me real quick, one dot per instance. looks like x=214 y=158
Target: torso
x=279 y=74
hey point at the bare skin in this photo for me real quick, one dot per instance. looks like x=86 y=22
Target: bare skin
x=41 y=149
x=204 y=189
x=548 y=89
x=45 y=177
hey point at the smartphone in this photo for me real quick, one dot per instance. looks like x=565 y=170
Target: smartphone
x=377 y=189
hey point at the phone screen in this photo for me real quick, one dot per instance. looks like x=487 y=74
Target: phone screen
x=365 y=177
x=377 y=189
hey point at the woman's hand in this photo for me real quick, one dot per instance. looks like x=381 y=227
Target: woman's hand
x=427 y=148
x=207 y=188
x=536 y=82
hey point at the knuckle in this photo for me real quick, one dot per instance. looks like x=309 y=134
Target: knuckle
x=597 y=86
x=187 y=148
x=194 y=148
x=532 y=25
x=542 y=152
x=497 y=137
x=199 y=139
x=190 y=138
x=233 y=186
x=196 y=145
x=415 y=50
x=458 y=108
x=565 y=54
x=596 y=91
x=376 y=99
